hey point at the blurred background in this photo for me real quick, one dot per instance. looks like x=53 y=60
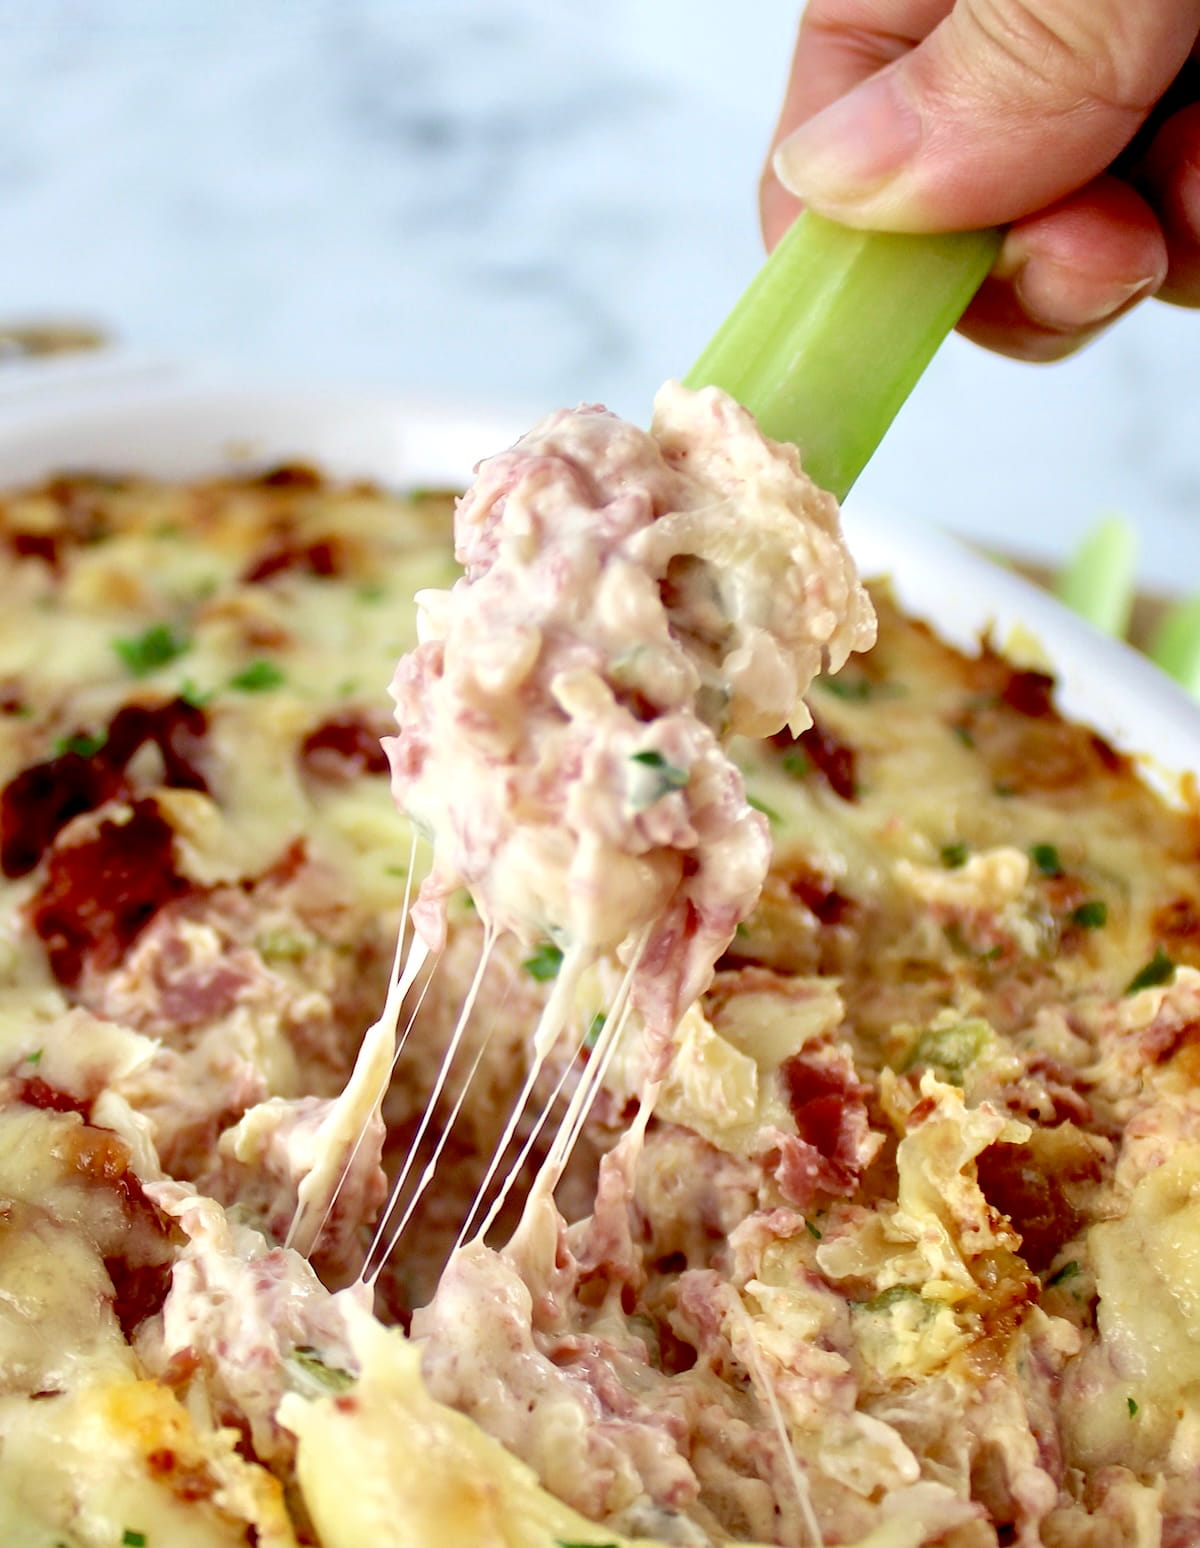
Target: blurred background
x=518 y=203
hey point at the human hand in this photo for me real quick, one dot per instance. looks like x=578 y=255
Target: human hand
x=937 y=115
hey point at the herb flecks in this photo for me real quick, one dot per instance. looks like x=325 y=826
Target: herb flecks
x=1045 y=857
x=955 y=856
x=1092 y=915
x=196 y=698
x=259 y=677
x=83 y=744
x=854 y=689
x=595 y=1027
x=544 y=963
x=664 y=777
x=768 y=812
x=157 y=647
x=1159 y=970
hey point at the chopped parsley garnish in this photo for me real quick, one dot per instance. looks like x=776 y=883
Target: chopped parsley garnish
x=1159 y=970
x=157 y=647
x=651 y=759
x=196 y=698
x=310 y=1362
x=132 y=1539
x=371 y=593
x=1131 y=1405
x=395 y=870
x=853 y=688
x=954 y=856
x=595 y=1027
x=813 y=1230
x=283 y=945
x=1045 y=857
x=1069 y=1270
x=1092 y=915
x=544 y=963
x=35 y=1057
x=258 y=677
x=768 y=812
x=666 y=777
x=963 y=733
x=83 y=744
x=796 y=764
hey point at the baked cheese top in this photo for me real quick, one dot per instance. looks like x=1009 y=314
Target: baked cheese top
x=905 y=1255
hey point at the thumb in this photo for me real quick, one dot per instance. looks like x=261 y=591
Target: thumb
x=1006 y=106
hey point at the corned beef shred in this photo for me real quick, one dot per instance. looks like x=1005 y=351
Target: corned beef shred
x=81 y=519
x=832 y=758
x=36 y=1092
x=290 y=475
x=819 y=896
x=828 y=1102
x=343 y=747
x=1029 y=693
x=321 y=558
x=833 y=1128
x=99 y=894
x=1034 y=1191
x=42 y=799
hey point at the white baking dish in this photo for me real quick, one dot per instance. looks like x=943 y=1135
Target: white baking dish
x=180 y=431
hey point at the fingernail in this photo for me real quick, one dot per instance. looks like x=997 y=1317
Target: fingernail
x=844 y=154
x=1062 y=298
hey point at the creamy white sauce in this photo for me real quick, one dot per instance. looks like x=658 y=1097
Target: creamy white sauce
x=629 y=599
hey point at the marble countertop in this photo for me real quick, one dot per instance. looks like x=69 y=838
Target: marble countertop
x=516 y=202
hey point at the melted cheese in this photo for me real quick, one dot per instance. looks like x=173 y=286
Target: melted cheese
x=922 y=1177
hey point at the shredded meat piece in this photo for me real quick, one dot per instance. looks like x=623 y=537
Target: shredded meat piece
x=322 y=557
x=99 y=894
x=42 y=799
x=343 y=747
x=833 y=759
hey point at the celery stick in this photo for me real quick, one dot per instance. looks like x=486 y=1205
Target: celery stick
x=834 y=331
x=1098 y=582
x=1175 y=644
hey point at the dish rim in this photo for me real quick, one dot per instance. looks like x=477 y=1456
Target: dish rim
x=182 y=430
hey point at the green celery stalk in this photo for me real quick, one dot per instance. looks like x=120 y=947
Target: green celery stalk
x=1175 y=644
x=1098 y=582
x=834 y=331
